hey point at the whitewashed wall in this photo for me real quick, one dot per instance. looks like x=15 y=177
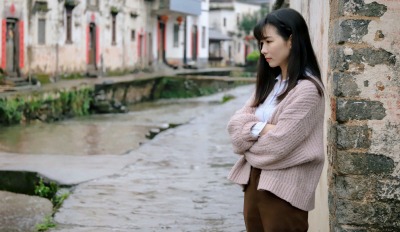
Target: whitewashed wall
x=316 y=14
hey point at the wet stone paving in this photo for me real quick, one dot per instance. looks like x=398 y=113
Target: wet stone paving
x=174 y=182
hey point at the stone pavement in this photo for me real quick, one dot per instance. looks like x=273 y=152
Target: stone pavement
x=175 y=182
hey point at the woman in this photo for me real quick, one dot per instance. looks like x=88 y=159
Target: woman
x=279 y=131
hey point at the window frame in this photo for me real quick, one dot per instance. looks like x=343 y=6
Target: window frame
x=41 y=34
x=176 y=35
x=203 y=37
x=113 y=29
x=68 y=27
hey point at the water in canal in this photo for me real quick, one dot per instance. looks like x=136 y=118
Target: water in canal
x=100 y=134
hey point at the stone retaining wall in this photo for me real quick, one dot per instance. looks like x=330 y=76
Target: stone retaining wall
x=108 y=97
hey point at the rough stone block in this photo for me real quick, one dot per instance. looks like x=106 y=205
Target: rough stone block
x=359 y=57
x=346 y=228
x=388 y=189
x=119 y=94
x=365 y=213
x=352 y=30
x=353 y=137
x=21 y=213
x=338 y=59
x=344 y=85
x=373 y=56
x=363 y=163
x=359 y=110
x=358 y=7
x=354 y=187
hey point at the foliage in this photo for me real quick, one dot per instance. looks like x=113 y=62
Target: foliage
x=117 y=72
x=46 y=190
x=47 y=224
x=43 y=78
x=241 y=74
x=11 y=111
x=71 y=3
x=59 y=199
x=169 y=87
x=49 y=191
x=114 y=10
x=248 y=22
x=72 y=76
x=227 y=97
x=253 y=56
x=280 y=4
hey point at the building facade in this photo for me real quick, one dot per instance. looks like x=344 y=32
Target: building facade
x=99 y=37
x=182 y=32
x=225 y=17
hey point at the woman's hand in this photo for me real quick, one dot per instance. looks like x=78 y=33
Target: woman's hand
x=267 y=128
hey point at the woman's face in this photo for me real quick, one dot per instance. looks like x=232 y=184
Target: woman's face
x=274 y=48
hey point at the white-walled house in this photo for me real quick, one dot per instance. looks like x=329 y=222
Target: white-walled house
x=74 y=36
x=225 y=16
x=95 y=36
x=182 y=33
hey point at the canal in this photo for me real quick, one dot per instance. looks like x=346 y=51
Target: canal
x=102 y=134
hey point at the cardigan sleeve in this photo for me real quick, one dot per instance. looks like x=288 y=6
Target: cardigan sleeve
x=276 y=149
x=239 y=128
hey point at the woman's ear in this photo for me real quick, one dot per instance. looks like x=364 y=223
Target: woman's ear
x=290 y=42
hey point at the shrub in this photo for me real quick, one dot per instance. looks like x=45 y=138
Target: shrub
x=253 y=56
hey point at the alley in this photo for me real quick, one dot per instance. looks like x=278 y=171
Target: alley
x=176 y=182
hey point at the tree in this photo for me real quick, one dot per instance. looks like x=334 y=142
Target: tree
x=280 y=4
x=249 y=21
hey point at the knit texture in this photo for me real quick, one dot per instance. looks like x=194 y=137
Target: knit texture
x=291 y=155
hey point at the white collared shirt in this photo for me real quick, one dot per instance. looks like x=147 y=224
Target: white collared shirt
x=265 y=110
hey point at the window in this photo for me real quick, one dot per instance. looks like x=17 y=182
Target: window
x=224 y=22
x=114 y=29
x=176 y=35
x=133 y=35
x=42 y=31
x=69 y=25
x=203 y=37
x=238 y=19
x=239 y=45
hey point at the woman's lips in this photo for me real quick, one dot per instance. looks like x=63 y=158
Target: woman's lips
x=268 y=59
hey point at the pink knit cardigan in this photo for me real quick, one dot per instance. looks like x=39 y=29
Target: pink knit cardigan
x=291 y=155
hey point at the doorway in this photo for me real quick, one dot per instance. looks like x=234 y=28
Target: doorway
x=150 y=49
x=194 y=42
x=92 y=46
x=161 y=51
x=12 y=48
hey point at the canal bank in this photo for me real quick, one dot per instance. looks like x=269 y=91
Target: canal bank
x=67 y=99
x=188 y=162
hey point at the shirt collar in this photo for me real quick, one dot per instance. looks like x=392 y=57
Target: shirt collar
x=279 y=78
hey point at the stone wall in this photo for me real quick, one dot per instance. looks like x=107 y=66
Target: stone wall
x=364 y=137
x=108 y=97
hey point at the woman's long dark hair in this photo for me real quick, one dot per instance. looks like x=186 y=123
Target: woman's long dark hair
x=288 y=22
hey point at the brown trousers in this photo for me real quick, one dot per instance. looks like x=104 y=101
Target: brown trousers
x=265 y=212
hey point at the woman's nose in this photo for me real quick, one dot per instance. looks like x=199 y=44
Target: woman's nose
x=263 y=49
